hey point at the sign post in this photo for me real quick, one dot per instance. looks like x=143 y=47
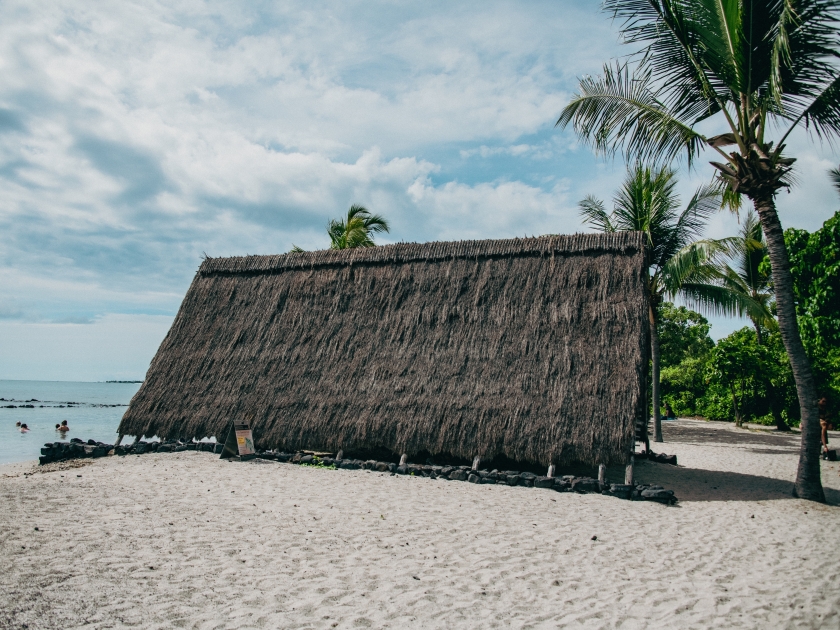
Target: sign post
x=239 y=442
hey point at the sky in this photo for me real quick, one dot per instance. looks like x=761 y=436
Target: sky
x=138 y=137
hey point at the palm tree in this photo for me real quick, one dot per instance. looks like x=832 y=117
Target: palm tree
x=647 y=202
x=355 y=231
x=750 y=292
x=747 y=281
x=752 y=66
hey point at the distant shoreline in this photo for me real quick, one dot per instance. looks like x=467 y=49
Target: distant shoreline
x=123 y=381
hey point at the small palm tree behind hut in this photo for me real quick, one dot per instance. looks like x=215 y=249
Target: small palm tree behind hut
x=356 y=230
x=753 y=68
x=746 y=288
x=648 y=203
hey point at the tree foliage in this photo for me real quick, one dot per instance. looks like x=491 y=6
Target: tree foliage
x=354 y=230
x=815 y=265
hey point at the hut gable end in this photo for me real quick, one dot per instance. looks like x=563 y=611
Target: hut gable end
x=535 y=349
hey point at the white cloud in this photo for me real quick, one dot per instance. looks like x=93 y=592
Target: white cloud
x=135 y=136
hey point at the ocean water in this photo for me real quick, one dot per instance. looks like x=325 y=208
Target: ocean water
x=92 y=410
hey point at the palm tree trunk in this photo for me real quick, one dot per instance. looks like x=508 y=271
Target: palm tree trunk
x=808 y=484
x=654 y=357
x=735 y=405
x=758 y=334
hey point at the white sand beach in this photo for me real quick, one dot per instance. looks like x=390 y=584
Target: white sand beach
x=188 y=541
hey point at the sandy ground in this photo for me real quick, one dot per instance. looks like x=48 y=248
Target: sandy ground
x=188 y=541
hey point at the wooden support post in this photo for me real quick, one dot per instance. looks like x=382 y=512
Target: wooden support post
x=550 y=473
x=602 y=474
x=137 y=438
x=403 y=459
x=119 y=440
x=628 y=472
x=476 y=462
x=340 y=454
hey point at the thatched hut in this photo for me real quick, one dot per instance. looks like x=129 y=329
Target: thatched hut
x=532 y=349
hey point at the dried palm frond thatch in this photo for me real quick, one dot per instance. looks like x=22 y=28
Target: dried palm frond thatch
x=534 y=349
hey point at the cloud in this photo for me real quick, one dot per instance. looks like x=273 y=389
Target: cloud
x=134 y=137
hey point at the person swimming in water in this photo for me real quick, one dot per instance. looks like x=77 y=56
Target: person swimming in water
x=24 y=428
x=62 y=427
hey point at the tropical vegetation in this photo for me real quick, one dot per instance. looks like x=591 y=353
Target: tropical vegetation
x=751 y=67
x=354 y=230
x=647 y=202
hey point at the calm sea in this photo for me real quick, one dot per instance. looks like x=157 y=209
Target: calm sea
x=92 y=410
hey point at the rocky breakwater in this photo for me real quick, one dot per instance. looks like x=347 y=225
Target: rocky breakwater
x=78 y=449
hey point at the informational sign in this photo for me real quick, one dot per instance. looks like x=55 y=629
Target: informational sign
x=239 y=442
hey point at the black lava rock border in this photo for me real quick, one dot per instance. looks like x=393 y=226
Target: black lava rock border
x=77 y=449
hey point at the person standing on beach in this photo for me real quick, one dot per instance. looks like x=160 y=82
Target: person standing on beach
x=822 y=405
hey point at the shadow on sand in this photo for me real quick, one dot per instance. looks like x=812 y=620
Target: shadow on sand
x=697 y=484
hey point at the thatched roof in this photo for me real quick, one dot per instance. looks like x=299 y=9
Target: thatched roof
x=535 y=349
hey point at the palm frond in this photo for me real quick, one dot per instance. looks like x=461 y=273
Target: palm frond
x=822 y=116
x=718 y=300
x=834 y=174
x=704 y=203
x=621 y=111
x=803 y=62
x=670 y=50
x=593 y=213
x=693 y=263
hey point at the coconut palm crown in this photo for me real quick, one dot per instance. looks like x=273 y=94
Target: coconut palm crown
x=751 y=66
x=357 y=229
x=747 y=287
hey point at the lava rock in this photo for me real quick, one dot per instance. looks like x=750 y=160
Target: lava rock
x=586 y=484
x=458 y=475
x=487 y=480
x=473 y=478
x=621 y=490
x=659 y=494
x=306 y=459
x=543 y=482
x=350 y=464
x=381 y=467
x=562 y=485
x=512 y=480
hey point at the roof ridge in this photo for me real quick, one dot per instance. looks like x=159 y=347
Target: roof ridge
x=623 y=242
